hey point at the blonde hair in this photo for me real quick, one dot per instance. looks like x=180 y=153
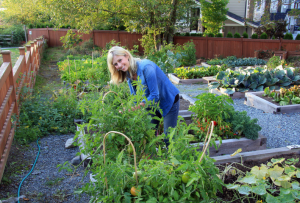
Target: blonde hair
x=119 y=76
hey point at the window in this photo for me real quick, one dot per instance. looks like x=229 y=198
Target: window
x=258 y=4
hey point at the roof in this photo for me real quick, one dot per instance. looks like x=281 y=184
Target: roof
x=241 y=19
x=278 y=16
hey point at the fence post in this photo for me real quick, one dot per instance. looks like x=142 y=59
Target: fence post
x=242 y=46
x=7 y=58
x=37 y=53
x=206 y=46
x=29 y=64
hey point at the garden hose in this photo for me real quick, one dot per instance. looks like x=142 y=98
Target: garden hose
x=37 y=142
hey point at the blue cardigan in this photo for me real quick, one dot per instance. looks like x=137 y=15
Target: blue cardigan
x=157 y=85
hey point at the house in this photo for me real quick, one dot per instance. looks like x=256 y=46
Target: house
x=236 y=19
x=245 y=15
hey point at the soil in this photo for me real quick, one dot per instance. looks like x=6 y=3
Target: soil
x=246 y=166
x=184 y=104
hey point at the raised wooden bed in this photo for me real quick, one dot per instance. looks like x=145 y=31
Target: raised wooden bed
x=229 y=146
x=260 y=155
x=177 y=80
x=236 y=95
x=253 y=99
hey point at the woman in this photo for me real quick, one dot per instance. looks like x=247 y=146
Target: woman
x=159 y=88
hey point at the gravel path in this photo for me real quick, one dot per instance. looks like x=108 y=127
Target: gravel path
x=46 y=183
x=280 y=129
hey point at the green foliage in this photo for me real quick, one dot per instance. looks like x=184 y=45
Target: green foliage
x=71 y=39
x=264 y=36
x=245 y=35
x=254 y=79
x=288 y=36
x=297 y=37
x=229 y=35
x=219 y=35
x=237 y=35
x=171 y=56
x=40 y=116
x=213 y=14
x=210 y=35
x=197 y=72
x=242 y=124
x=232 y=61
x=275 y=181
x=285 y=96
x=188 y=53
x=254 y=36
x=187 y=34
x=18 y=34
x=273 y=62
x=197 y=34
x=78 y=72
x=229 y=123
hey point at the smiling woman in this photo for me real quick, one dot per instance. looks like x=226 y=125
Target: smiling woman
x=14 y=55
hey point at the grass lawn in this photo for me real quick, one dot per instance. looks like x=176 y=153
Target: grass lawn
x=15 y=53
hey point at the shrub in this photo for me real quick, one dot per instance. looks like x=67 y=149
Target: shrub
x=288 y=36
x=51 y=26
x=30 y=26
x=219 y=35
x=177 y=33
x=254 y=36
x=264 y=36
x=37 y=25
x=210 y=35
x=187 y=34
x=273 y=37
x=297 y=37
x=237 y=35
x=197 y=34
x=245 y=35
x=273 y=62
x=229 y=35
x=189 y=54
x=18 y=33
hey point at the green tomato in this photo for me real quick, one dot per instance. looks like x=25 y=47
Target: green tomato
x=185 y=177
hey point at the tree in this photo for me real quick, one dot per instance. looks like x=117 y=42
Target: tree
x=23 y=11
x=151 y=17
x=213 y=15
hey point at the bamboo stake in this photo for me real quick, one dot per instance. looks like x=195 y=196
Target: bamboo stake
x=134 y=154
x=205 y=145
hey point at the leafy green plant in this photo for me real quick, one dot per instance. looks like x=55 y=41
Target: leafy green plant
x=264 y=36
x=40 y=116
x=197 y=72
x=71 y=39
x=253 y=79
x=245 y=35
x=81 y=73
x=288 y=36
x=229 y=35
x=273 y=62
x=237 y=35
x=232 y=61
x=254 y=36
x=297 y=37
x=274 y=182
x=187 y=52
x=229 y=123
x=284 y=96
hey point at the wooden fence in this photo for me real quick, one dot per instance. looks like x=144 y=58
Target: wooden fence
x=12 y=79
x=206 y=47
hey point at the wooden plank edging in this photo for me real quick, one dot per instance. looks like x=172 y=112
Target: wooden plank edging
x=255 y=155
x=177 y=80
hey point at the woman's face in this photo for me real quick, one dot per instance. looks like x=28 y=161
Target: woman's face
x=121 y=62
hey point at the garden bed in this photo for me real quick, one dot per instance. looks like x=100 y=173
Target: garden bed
x=235 y=95
x=177 y=80
x=256 y=100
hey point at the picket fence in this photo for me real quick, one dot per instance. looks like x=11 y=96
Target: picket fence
x=12 y=80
